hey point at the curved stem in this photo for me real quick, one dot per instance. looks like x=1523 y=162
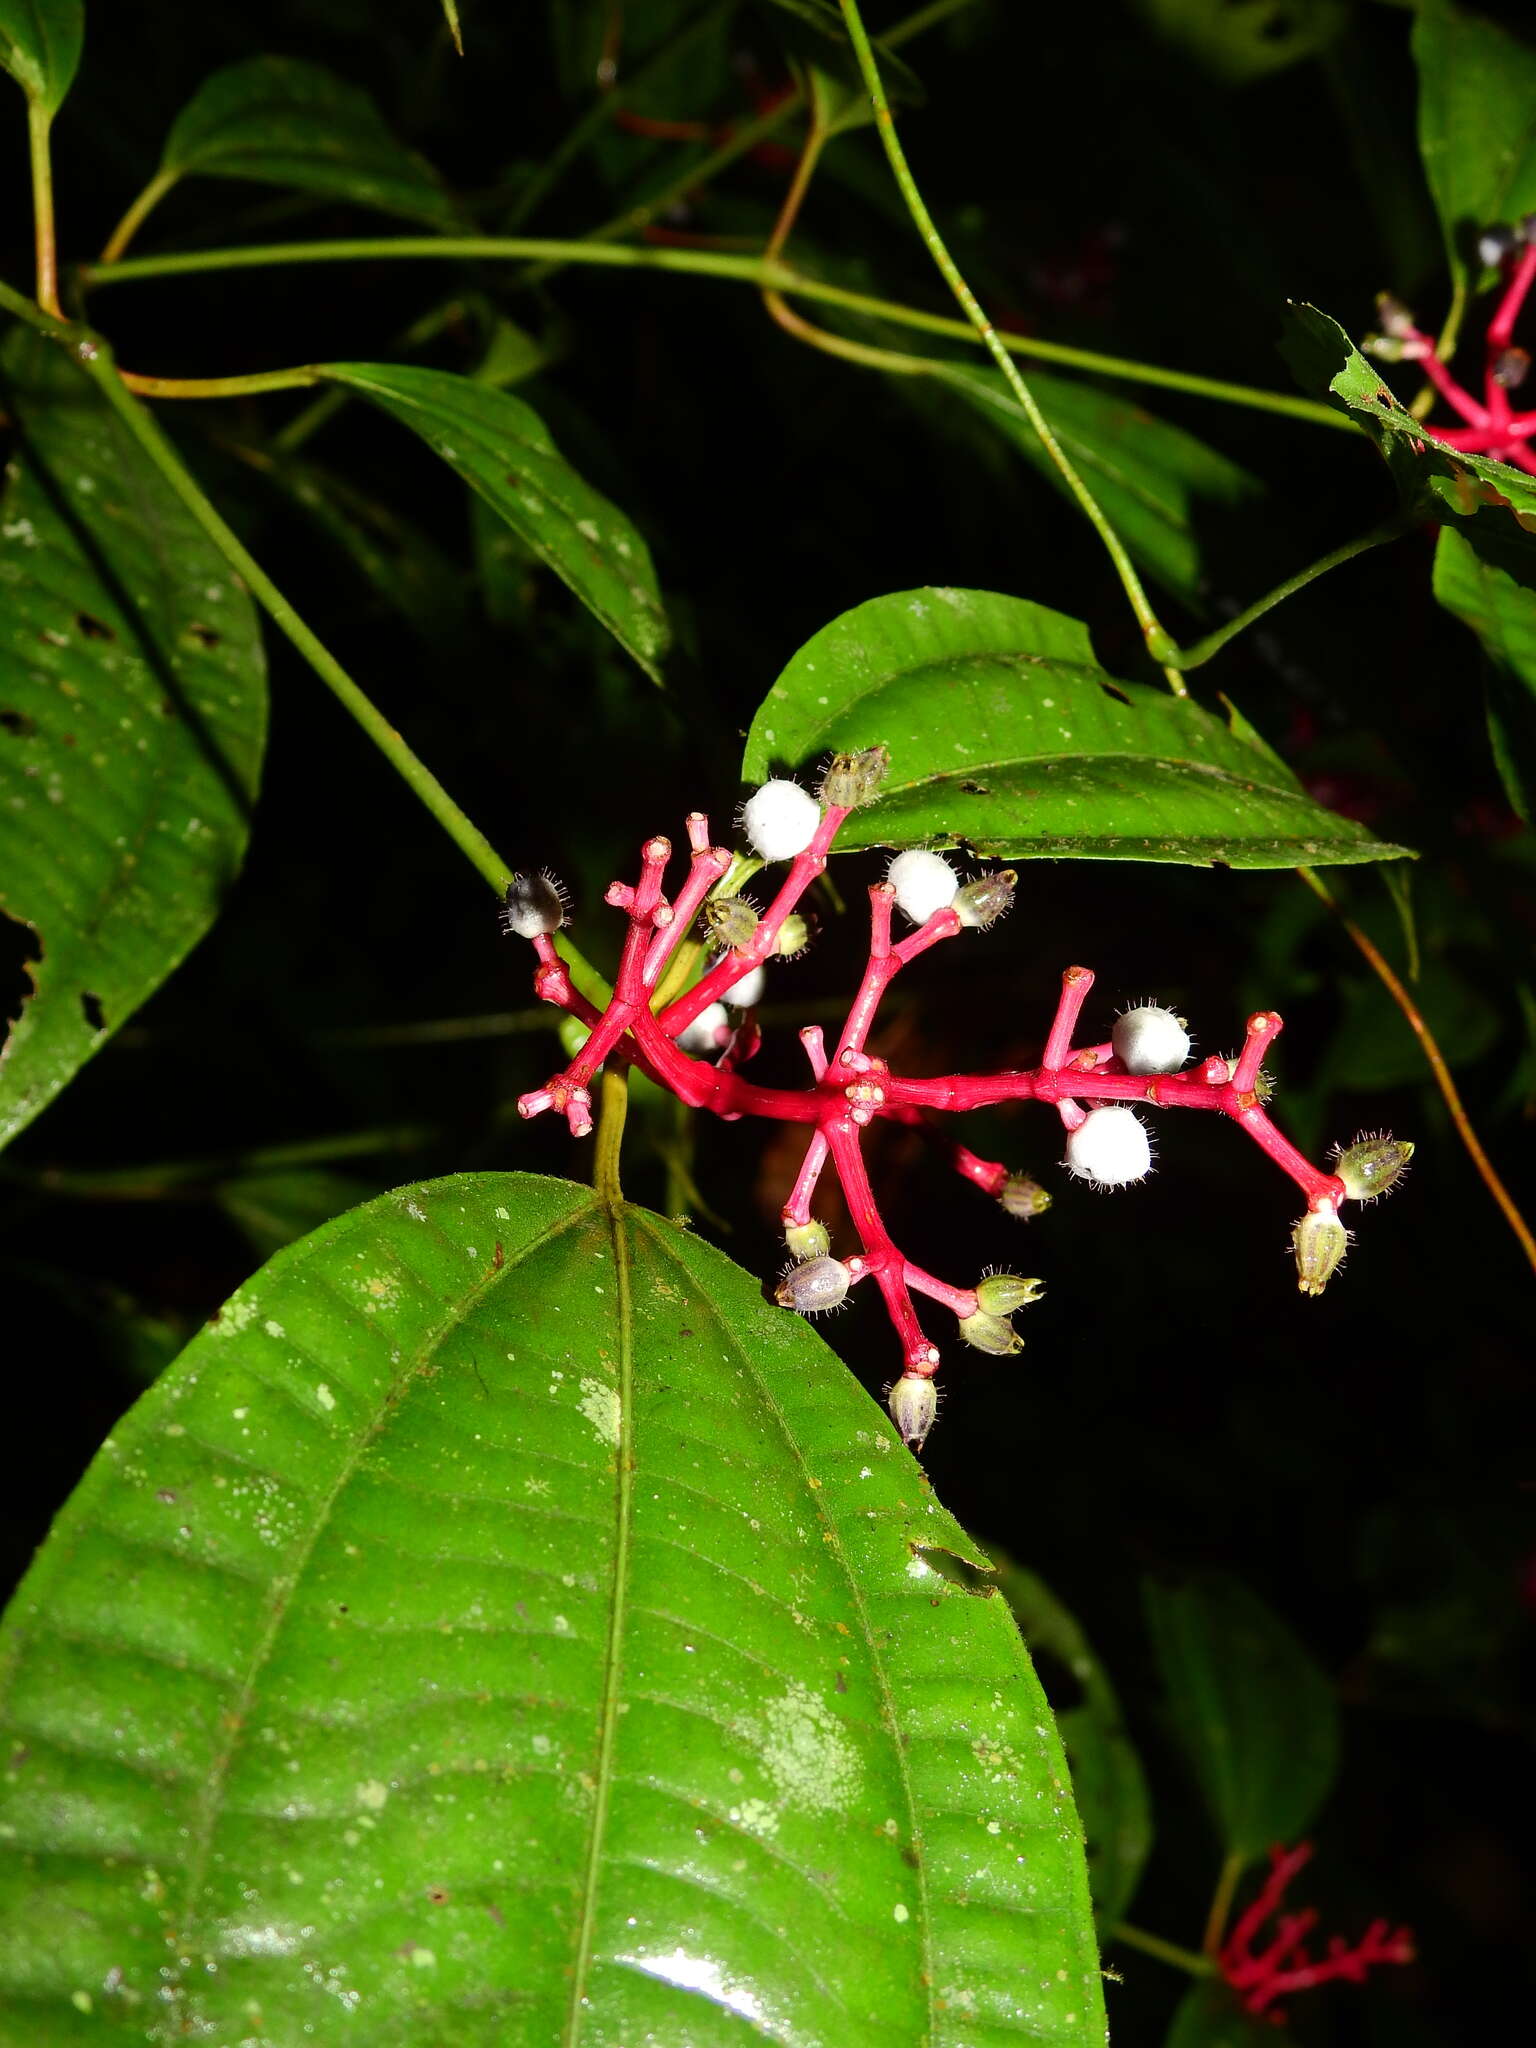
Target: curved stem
x=39 y=123
x=1159 y=643
x=1193 y=657
x=1165 y=1951
x=1221 y=1903
x=1382 y=968
x=137 y=214
x=748 y=270
x=219 y=387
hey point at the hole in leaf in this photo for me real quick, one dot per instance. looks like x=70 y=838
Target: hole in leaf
x=18 y=724
x=93 y=628
x=20 y=946
x=975 y=789
x=959 y=1571
x=205 y=636
x=1063 y=1687
x=91 y=1010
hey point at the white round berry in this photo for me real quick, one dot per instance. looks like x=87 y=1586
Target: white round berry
x=702 y=1036
x=924 y=883
x=1110 y=1147
x=748 y=990
x=780 y=819
x=1150 y=1040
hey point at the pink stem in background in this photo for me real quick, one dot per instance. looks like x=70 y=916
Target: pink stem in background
x=798 y=1208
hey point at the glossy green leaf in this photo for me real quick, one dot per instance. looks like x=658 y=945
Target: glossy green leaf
x=40 y=42
x=1107 y=1779
x=1477 y=127
x=1153 y=480
x=501 y=449
x=1239 y=40
x=1006 y=734
x=1258 y=1721
x=1209 y=2016
x=1438 y=482
x=500 y=1627
x=281 y=121
x=1490 y=586
x=132 y=720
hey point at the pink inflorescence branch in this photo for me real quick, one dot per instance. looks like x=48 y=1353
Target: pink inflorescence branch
x=1492 y=426
x=1284 y=1966
x=695 y=1044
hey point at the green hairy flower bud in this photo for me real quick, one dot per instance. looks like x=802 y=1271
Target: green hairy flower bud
x=807 y=1240
x=913 y=1403
x=1320 y=1242
x=999 y=1294
x=794 y=936
x=732 y=922
x=984 y=901
x=854 y=779
x=990 y=1333
x=1023 y=1197
x=1373 y=1165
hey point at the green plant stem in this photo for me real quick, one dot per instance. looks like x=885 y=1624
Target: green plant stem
x=1221 y=1904
x=137 y=214
x=150 y=1183
x=1202 y=650
x=748 y=270
x=1165 y=1951
x=1160 y=644
x=610 y=1132
x=39 y=125
x=220 y=387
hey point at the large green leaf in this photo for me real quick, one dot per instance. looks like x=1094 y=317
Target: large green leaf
x=1006 y=734
x=1107 y=1778
x=1152 y=479
x=500 y=447
x=1477 y=127
x=1490 y=585
x=1258 y=1721
x=132 y=719
x=500 y=1627
x=40 y=43
x=1438 y=482
x=280 y=121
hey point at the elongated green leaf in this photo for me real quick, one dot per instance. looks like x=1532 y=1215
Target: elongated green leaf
x=1153 y=480
x=1477 y=127
x=132 y=720
x=1490 y=586
x=1258 y=1721
x=1439 y=482
x=280 y=121
x=451 y=16
x=500 y=1627
x=1107 y=1779
x=501 y=449
x=1006 y=734
x=40 y=42
x=1209 y=2016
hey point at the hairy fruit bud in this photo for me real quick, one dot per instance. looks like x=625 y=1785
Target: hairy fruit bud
x=1150 y=1040
x=1373 y=1165
x=1320 y=1242
x=807 y=1241
x=854 y=779
x=780 y=819
x=984 y=901
x=814 y=1286
x=732 y=922
x=913 y=1403
x=999 y=1294
x=794 y=935
x=925 y=883
x=992 y=1334
x=1110 y=1147
x=1023 y=1197
x=534 y=907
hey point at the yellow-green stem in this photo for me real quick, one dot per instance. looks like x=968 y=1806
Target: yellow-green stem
x=1221 y=1904
x=614 y=1105
x=1165 y=1951
x=137 y=214
x=39 y=125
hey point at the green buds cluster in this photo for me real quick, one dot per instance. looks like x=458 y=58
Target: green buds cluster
x=984 y=901
x=1373 y=1165
x=1320 y=1242
x=999 y=1294
x=1023 y=1197
x=854 y=779
x=732 y=922
x=814 y=1286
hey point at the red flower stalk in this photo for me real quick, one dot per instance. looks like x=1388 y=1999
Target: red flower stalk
x=1492 y=426
x=693 y=1046
x=1285 y=1966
